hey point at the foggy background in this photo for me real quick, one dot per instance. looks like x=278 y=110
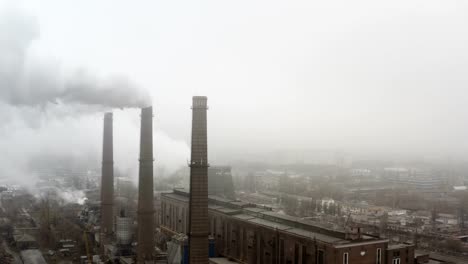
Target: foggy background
x=299 y=77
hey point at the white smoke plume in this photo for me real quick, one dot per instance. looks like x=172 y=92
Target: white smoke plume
x=25 y=80
x=73 y=196
x=47 y=112
x=28 y=134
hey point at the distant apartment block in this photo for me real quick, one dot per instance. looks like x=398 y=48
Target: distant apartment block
x=412 y=178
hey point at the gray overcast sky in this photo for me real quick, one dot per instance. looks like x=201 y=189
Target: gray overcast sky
x=352 y=75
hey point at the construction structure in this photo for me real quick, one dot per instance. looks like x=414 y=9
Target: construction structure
x=107 y=180
x=145 y=213
x=198 y=204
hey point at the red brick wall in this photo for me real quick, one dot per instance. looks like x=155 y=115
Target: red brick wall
x=354 y=254
x=251 y=243
x=406 y=255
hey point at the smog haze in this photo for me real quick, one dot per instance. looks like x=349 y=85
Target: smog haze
x=358 y=77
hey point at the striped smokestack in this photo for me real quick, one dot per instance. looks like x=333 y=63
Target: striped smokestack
x=198 y=214
x=107 y=179
x=145 y=189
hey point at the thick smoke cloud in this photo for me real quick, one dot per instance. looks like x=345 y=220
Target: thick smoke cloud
x=49 y=114
x=25 y=80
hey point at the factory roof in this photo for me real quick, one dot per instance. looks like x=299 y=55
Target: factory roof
x=214 y=206
x=228 y=211
x=240 y=204
x=255 y=209
x=126 y=260
x=396 y=246
x=269 y=224
x=176 y=197
x=24 y=238
x=244 y=216
x=281 y=216
x=318 y=236
x=32 y=256
x=218 y=198
x=264 y=216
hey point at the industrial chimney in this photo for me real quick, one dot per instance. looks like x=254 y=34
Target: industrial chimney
x=107 y=179
x=198 y=213
x=145 y=189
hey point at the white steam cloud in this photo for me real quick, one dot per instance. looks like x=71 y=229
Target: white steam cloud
x=29 y=134
x=48 y=113
x=73 y=196
x=25 y=80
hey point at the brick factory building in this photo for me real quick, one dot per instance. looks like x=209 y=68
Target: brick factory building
x=249 y=233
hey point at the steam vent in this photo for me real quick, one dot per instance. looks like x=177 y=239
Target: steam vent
x=145 y=189
x=198 y=217
x=107 y=180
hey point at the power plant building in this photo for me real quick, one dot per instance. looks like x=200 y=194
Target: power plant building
x=207 y=220
x=249 y=233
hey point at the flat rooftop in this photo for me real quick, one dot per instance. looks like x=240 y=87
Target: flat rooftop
x=176 y=196
x=32 y=256
x=318 y=236
x=264 y=216
x=396 y=246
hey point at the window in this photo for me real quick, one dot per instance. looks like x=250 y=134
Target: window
x=320 y=257
x=214 y=226
x=379 y=256
x=396 y=261
x=296 y=254
x=281 y=251
x=176 y=218
x=304 y=254
x=345 y=258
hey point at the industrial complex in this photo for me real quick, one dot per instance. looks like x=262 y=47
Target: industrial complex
x=208 y=221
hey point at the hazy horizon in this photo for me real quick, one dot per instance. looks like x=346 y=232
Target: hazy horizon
x=361 y=77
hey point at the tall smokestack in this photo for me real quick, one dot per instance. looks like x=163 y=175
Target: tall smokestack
x=145 y=189
x=198 y=217
x=107 y=179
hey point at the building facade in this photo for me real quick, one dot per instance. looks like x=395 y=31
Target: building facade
x=249 y=233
